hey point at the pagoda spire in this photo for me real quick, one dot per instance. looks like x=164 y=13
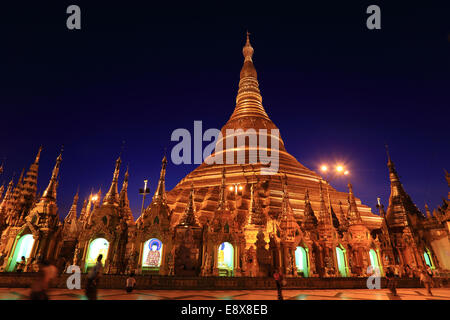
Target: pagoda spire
x=14 y=203
x=353 y=213
x=18 y=188
x=288 y=222
x=72 y=215
x=160 y=193
x=50 y=192
x=400 y=203
x=123 y=196
x=29 y=191
x=90 y=203
x=189 y=219
x=112 y=196
x=380 y=207
x=427 y=211
x=286 y=209
x=123 y=200
x=7 y=198
x=248 y=100
x=256 y=215
x=324 y=217
x=83 y=210
x=310 y=220
x=344 y=224
x=396 y=186
x=38 y=155
x=98 y=198
x=334 y=217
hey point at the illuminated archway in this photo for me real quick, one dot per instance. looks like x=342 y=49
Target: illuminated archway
x=301 y=261
x=23 y=249
x=225 y=259
x=340 y=255
x=428 y=260
x=97 y=247
x=152 y=254
x=374 y=260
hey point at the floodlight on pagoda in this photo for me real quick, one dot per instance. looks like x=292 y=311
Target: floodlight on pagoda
x=94 y=198
x=236 y=187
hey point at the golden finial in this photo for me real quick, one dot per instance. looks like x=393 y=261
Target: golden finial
x=387 y=153
x=248 y=49
x=38 y=156
x=59 y=159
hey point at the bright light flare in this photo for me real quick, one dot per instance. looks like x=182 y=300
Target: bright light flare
x=339 y=168
x=346 y=172
x=324 y=168
x=240 y=188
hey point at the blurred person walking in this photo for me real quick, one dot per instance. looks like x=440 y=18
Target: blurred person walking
x=279 y=280
x=425 y=278
x=47 y=272
x=93 y=279
x=391 y=281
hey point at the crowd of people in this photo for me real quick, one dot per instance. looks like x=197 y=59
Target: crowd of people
x=425 y=276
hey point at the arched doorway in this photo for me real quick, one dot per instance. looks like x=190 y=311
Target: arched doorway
x=340 y=256
x=374 y=260
x=428 y=260
x=225 y=259
x=152 y=255
x=301 y=261
x=96 y=247
x=23 y=249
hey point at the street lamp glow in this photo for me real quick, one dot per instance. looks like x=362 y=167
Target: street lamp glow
x=339 y=168
x=324 y=168
x=346 y=172
x=240 y=187
x=231 y=188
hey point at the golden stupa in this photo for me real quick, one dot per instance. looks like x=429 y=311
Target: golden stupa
x=206 y=179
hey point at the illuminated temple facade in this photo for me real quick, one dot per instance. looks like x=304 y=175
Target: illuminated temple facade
x=226 y=219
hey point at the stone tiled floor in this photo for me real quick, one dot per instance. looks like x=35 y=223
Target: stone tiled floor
x=345 y=294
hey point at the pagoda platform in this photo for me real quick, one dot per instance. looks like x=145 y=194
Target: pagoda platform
x=147 y=282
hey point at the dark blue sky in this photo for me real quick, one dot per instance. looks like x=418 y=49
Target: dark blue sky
x=336 y=90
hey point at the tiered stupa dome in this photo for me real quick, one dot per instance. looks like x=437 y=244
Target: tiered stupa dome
x=249 y=113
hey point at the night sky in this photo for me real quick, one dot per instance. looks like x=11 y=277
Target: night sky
x=338 y=91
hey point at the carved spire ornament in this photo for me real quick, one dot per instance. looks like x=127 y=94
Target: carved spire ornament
x=50 y=191
x=160 y=193
x=112 y=196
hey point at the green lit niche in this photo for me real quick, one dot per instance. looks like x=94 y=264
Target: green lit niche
x=23 y=249
x=428 y=260
x=301 y=261
x=97 y=247
x=374 y=260
x=340 y=255
x=225 y=259
x=152 y=254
